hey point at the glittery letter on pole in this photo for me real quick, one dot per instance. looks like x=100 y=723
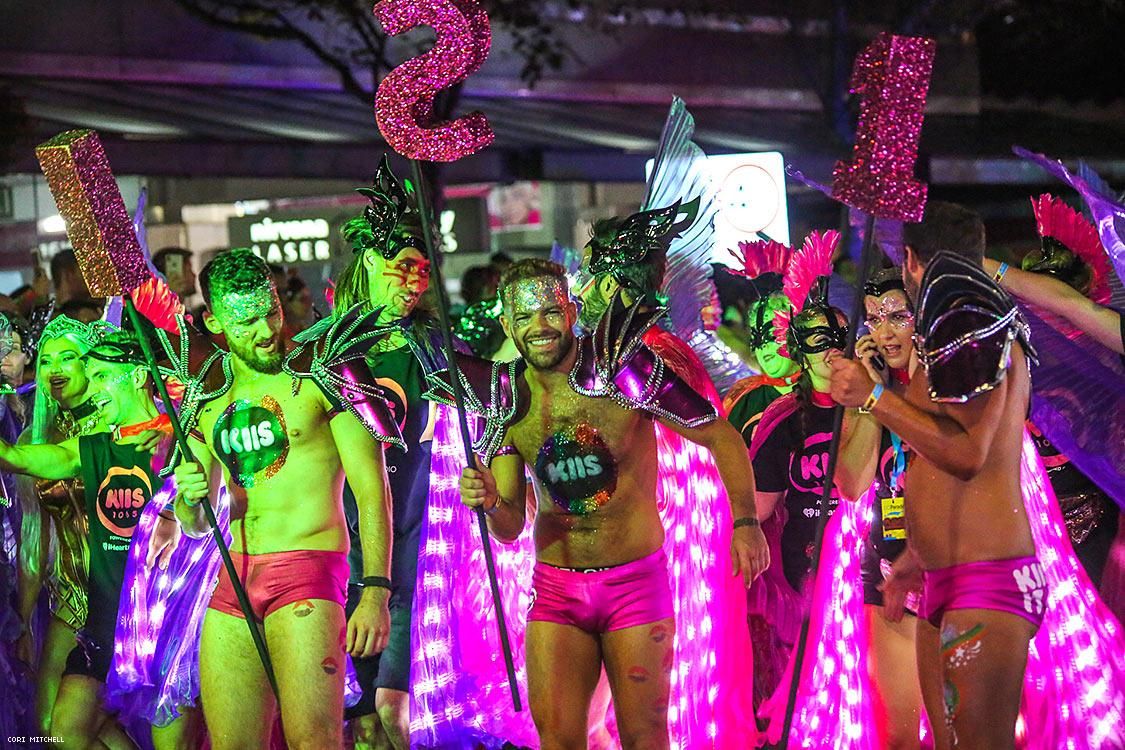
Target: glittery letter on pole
x=97 y=223
x=404 y=103
x=892 y=75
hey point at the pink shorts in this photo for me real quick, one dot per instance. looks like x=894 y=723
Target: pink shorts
x=603 y=600
x=1015 y=586
x=276 y=579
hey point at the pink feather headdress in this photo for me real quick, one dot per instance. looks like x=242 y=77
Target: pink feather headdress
x=759 y=258
x=807 y=264
x=1055 y=219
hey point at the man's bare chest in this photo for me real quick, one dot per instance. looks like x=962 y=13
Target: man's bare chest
x=253 y=429
x=577 y=447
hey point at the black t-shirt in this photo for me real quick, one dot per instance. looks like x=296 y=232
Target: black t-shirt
x=746 y=412
x=119 y=482
x=794 y=462
x=402 y=377
x=887 y=488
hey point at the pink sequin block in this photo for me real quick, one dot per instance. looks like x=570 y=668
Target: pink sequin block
x=99 y=227
x=892 y=76
x=404 y=103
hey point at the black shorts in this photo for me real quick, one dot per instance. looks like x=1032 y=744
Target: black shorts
x=389 y=669
x=88 y=659
x=365 y=668
x=871 y=573
x=394 y=662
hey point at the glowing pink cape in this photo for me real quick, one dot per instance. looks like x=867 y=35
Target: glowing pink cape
x=459 y=697
x=1074 y=686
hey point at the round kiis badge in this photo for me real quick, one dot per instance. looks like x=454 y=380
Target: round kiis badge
x=577 y=469
x=251 y=441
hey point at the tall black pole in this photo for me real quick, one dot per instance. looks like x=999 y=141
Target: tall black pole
x=185 y=450
x=438 y=283
x=829 y=476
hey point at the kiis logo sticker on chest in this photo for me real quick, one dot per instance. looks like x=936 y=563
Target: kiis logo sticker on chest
x=577 y=468
x=251 y=440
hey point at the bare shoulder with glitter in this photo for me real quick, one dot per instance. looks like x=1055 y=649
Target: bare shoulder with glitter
x=593 y=467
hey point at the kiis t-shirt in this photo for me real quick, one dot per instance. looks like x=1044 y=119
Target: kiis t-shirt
x=119 y=482
x=794 y=462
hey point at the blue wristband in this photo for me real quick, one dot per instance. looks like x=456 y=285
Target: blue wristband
x=873 y=399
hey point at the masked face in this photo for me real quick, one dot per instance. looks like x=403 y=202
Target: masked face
x=596 y=296
x=14 y=362
x=538 y=317
x=767 y=351
x=892 y=326
x=397 y=284
x=114 y=389
x=252 y=323
x=820 y=342
x=62 y=372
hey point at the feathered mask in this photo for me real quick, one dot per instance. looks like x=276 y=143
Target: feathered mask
x=763 y=264
x=635 y=239
x=392 y=216
x=804 y=285
x=1070 y=251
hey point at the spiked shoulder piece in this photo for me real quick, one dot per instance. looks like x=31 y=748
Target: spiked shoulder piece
x=336 y=361
x=613 y=362
x=493 y=391
x=966 y=326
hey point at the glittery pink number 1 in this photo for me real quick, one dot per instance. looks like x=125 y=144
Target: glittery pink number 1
x=892 y=75
x=404 y=103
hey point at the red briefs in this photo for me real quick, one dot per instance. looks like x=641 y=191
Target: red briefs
x=1015 y=586
x=276 y=579
x=605 y=599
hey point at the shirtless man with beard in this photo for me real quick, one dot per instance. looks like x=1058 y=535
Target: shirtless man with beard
x=963 y=416
x=284 y=447
x=582 y=422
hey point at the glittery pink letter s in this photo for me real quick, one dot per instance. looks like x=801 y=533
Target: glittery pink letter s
x=97 y=223
x=892 y=75
x=404 y=104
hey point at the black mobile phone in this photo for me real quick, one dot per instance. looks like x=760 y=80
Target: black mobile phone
x=877 y=361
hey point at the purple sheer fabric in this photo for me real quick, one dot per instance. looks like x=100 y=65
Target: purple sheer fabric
x=1078 y=400
x=459 y=696
x=155 y=669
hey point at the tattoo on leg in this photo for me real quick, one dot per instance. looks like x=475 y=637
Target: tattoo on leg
x=330 y=666
x=639 y=674
x=658 y=633
x=303 y=608
x=958 y=649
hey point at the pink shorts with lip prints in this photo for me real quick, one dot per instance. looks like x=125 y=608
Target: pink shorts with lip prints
x=605 y=599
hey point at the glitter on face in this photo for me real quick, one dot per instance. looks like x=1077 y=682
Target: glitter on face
x=97 y=224
x=578 y=470
x=528 y=296
x=404 y=103
x=890 y=308
x=892 y=75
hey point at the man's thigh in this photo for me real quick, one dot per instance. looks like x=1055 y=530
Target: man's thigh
x=238 y=703
x=78 y=710
x=893 y=668
x=563 y=666
x=983 y=657
x=638 y=662
x=307 y=640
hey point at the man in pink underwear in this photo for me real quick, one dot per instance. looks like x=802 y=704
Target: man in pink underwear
x=982 y=585
x=579 y=413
